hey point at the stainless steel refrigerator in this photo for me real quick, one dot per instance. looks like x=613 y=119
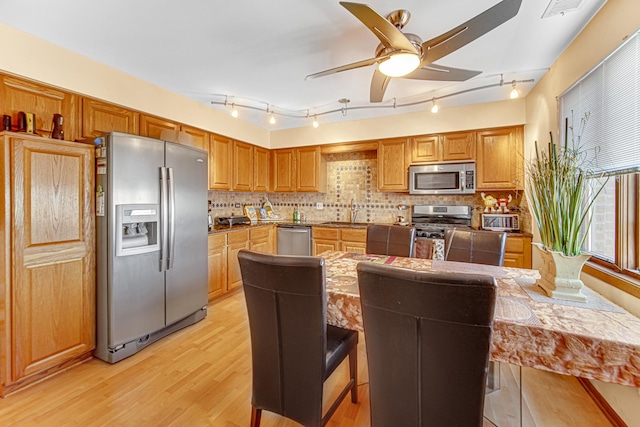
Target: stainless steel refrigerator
x=151 y=224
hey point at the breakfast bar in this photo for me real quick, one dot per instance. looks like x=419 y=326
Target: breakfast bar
x=594 y=340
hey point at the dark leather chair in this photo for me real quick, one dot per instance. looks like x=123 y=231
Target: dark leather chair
x=477 y=246
x=293 y=349
x=391 y=240
x=428 y=339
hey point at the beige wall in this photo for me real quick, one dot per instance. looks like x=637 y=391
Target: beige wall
x=616 y=20
x=29 y=56
x=493 y=114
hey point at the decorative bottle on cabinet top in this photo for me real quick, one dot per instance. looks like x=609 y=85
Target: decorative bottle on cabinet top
x=57 y=132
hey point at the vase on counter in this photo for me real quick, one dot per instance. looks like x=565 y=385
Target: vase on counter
x=560 y=274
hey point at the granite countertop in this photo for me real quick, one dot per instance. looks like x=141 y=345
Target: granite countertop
x=308 y=223
x=319 y=223
x=595 y=340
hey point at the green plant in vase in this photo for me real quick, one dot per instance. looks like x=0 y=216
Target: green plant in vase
x=561 y=191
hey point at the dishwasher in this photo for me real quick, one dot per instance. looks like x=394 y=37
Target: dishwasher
x=294 y=239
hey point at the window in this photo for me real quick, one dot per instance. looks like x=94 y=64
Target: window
x=614 y=235
x=610 y=95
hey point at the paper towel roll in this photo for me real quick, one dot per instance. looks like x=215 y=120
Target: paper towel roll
x=135 y=241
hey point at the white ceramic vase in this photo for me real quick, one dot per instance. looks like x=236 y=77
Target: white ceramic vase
x=561 y=274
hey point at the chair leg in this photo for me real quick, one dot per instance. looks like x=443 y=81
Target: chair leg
x=256 y=414
x=353 y=373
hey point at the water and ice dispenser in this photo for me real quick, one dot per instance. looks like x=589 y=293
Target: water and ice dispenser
x=137 y=229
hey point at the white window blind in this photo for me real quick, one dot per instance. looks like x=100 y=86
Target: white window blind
x=610 y=95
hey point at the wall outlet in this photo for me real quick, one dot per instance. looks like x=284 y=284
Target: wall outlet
x=237 y=205
x=319 y=205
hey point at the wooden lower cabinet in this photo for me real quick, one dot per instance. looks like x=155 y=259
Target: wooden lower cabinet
x=517 y=252
x=325 y=239
x=47 y=303
x=261 y=239
x=353 y=240
x=217 y=265
x=236 y=240
x=224 y=269
x=339 y=239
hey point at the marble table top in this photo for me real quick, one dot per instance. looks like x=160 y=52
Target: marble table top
x=594 y=340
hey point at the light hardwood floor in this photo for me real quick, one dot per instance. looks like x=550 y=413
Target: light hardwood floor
x=201 y=376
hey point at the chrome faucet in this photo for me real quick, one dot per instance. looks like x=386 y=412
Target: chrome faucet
x=353 y=211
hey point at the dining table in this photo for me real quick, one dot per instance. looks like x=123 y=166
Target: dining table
x=593 y=340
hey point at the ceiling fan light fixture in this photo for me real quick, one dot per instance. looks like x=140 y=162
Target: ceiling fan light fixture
x=399 y=64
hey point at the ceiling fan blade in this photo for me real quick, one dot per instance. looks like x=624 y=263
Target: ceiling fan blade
x=386 y=32
x=379 y=84
x=441 y=73
x=352 y=66
x=461 y=35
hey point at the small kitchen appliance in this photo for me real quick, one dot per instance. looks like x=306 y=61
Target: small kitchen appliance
x=443 y=178
x=501 y=222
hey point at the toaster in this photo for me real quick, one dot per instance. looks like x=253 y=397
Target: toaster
x=232 y=220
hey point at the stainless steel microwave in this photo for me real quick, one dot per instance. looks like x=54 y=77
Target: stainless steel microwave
x=443 y=178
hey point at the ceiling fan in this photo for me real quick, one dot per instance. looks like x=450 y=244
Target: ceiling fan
x=405 y=55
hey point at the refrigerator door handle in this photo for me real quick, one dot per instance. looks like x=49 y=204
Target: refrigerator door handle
x=164 y=218
x=172 y=218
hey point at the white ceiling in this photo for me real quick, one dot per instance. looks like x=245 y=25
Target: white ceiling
x=258 y=52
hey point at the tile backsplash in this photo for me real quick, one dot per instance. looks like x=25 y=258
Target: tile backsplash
x=353 y=177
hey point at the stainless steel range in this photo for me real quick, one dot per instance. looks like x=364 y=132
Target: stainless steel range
x=431 y=221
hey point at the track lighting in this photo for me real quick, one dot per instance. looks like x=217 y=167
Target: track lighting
x=435 y=108
x=514 y=92
x=302 y=114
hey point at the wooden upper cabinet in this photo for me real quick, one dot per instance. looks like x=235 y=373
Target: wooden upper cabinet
x=261 y=169
x=200 y=137
x=100 y=117
x=426 y=149
x=43 y=101
x=458 y=146
x=220 y=163
x=283 y=167
x=393 y=163
x=311 y=170
x=153 y=126
x=443 y=148
x=242 y=166
x=500 y=159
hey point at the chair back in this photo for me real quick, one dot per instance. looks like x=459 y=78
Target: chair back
x=477 y=246
x=428 y=339
x=287 y=309
x=391 y=240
